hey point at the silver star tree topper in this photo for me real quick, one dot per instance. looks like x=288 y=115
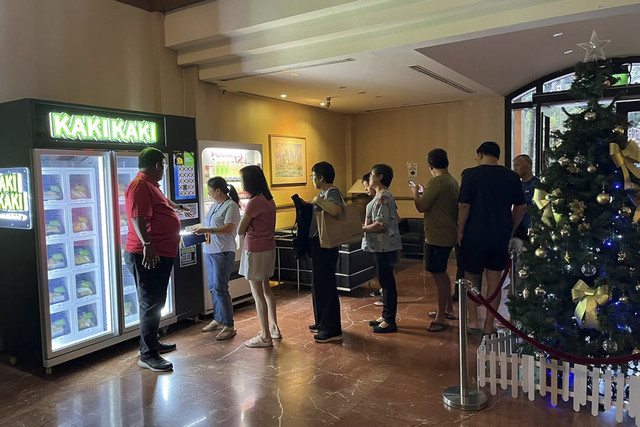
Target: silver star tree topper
x=593 y=48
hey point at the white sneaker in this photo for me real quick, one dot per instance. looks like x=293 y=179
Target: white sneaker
x=213 y=326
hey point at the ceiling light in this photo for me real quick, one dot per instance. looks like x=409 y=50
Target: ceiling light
x=361 y=93
x=567 y=52
x=558 y=34
x=294 y=74
x=342 y=87
x=322 y=104
x=284 y=95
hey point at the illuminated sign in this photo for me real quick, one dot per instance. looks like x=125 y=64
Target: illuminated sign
x=15 y=210
x=102 y=129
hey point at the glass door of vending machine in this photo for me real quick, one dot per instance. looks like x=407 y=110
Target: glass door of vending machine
x=126 y=171
x=78 y=295
x=226 y=160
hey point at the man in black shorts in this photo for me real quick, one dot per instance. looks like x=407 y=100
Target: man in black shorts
x=439 y=203
x=490 y=207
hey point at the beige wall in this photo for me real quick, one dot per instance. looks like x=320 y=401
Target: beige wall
x=239 y=118
x=406 y=135
x=105 y=53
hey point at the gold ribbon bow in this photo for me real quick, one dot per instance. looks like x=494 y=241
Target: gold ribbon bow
x=539 y=198
x=627 y=160
x=588 y=300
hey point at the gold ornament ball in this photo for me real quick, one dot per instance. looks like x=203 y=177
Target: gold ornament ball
x=563 y=161
x=532 y=239
x=624 y=299
x=592 y=169
x=574 y=217
x=590 y=116
x=622 y=256
x=539 y=291
x=565 y=232
x=607 y=83
x=618 y=130
x=555 y=237
x=523 y=274
x=541 y=253
x=603 y=198
x=576 y=77
x=625 y=211
x=543 y=180
x=635 y=351
x=525 y=293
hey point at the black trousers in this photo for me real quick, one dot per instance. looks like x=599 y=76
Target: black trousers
x=152 y=294
x=385 y=262
x=324 y=292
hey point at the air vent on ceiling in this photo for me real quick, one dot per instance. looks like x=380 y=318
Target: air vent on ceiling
x=444 y=80
x=295 y=67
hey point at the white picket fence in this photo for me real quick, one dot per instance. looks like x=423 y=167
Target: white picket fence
x=498 y=364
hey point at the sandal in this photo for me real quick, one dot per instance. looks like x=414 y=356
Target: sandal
x=437 y=327
x=433 y=314
x=257 y=342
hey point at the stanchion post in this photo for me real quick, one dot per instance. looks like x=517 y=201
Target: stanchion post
x=461 y=397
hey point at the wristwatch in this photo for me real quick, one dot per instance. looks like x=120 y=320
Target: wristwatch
x=180 y=207
x=149 y=243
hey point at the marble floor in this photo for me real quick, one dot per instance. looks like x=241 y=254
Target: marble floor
x=367 y=380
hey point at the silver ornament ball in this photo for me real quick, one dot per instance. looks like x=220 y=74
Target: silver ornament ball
x=610 y=346
x=588 y=269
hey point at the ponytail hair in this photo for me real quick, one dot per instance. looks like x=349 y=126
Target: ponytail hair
x=219 y=183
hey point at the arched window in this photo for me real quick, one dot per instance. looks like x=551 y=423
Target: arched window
x=534 y=111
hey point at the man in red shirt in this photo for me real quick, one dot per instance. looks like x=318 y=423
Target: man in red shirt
x=152 y=245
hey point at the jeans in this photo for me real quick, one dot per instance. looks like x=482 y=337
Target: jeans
x=385 y=261
x=219 y=267
x=152 y=294
x=324 y=291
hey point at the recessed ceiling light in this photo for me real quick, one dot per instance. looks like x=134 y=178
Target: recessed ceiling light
x=294 y=74
x=361 y=93
x=342 y=87
x=322 y=104
x=567 y=52
x=284 y=95
x=558 y=34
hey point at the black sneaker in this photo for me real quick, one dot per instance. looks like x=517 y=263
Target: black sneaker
x=156 y=364
x=166 y=347
x=322 y=338
x=313 y=328
x=387 y=330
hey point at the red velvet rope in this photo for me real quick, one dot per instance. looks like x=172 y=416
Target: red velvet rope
x=553 y=351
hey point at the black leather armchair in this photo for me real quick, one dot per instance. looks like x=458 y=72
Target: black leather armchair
x=412 y=237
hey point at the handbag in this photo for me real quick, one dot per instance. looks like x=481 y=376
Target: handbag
x=344 y=229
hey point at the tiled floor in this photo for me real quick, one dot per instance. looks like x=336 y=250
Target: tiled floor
x=368 y=380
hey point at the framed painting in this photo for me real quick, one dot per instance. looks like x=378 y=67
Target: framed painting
x=288 y=160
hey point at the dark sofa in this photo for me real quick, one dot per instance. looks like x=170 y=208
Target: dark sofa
x=412 y=237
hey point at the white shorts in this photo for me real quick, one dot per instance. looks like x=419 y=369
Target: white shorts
x=257 y=265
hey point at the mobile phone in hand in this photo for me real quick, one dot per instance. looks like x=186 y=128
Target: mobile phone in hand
x=411 y=183
x=420 y=189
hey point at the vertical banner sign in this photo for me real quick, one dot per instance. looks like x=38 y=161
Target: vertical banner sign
x=15 y=205
x=184 y=175
x=412 y=169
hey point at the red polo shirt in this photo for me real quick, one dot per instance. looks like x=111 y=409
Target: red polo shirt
x=143 y=198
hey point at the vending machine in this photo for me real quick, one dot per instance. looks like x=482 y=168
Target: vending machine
x=225 y=159
x=66 y=291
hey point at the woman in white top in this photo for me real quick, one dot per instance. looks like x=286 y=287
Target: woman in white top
x=221 y=224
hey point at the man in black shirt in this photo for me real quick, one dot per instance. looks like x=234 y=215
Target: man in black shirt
x=490 y=207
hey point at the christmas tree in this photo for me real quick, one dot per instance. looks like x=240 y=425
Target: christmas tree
x=579 y=287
